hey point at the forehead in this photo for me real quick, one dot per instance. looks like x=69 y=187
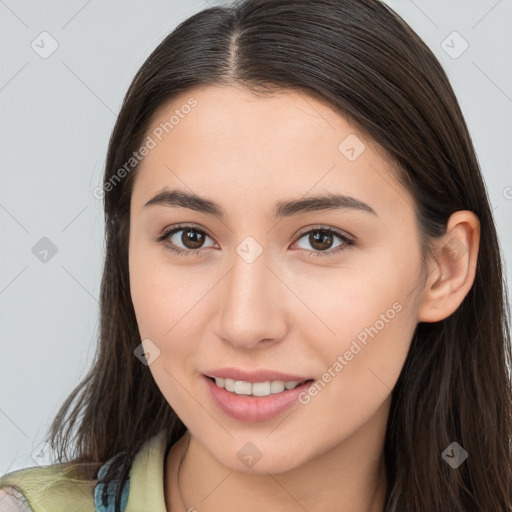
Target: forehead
x=228 y=141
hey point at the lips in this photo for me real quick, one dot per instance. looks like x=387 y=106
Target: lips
x=254 y=408
x=262 y=375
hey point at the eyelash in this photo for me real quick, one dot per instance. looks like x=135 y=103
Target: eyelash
x=347 y=242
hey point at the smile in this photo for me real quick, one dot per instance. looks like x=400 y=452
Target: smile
x=241 y=387
x=240 y=399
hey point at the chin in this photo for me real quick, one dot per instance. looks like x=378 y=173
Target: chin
x=270 y=459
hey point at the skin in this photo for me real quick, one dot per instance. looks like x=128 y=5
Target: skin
x=284 y=311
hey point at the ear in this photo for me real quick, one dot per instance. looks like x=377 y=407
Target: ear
x=452 y=272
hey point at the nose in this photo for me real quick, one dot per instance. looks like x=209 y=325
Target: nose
x=252 y=305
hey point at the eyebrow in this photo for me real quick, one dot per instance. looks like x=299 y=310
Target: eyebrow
x=180 y=198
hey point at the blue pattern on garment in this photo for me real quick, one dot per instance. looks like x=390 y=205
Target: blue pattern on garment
x=112 y=487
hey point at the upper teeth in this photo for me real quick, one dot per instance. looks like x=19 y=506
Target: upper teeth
x=241 y=387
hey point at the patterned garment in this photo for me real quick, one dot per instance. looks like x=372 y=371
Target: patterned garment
x=49 y=489
x=105 y=494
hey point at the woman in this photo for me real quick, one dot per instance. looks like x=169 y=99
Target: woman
x=302 y=305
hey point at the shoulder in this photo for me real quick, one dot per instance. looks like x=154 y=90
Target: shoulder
x=53 y=488
x=60 y=487
x=11 y=500
x=87 y=487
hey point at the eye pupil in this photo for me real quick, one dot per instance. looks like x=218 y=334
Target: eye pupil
x=193 y=237
x=322 y=237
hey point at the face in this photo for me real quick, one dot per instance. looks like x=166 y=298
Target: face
x=326 y=293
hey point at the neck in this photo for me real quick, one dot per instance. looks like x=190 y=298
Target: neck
x=350 y=477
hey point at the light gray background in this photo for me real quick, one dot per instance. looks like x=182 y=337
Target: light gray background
x=56 y=117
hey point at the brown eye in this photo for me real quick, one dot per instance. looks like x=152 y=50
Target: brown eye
x=184 y=240
x=192 y=238
x=189 y=240
x=322 y=239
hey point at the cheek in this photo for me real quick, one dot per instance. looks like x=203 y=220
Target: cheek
x=168 y=306
x=367 y=321
x=163 y=298
x=361 y=368
x=161 y=293
x=345 y=303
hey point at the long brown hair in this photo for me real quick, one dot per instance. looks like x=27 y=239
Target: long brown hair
x=362 y=58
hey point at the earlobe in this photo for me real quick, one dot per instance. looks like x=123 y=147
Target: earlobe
x=452 y=273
